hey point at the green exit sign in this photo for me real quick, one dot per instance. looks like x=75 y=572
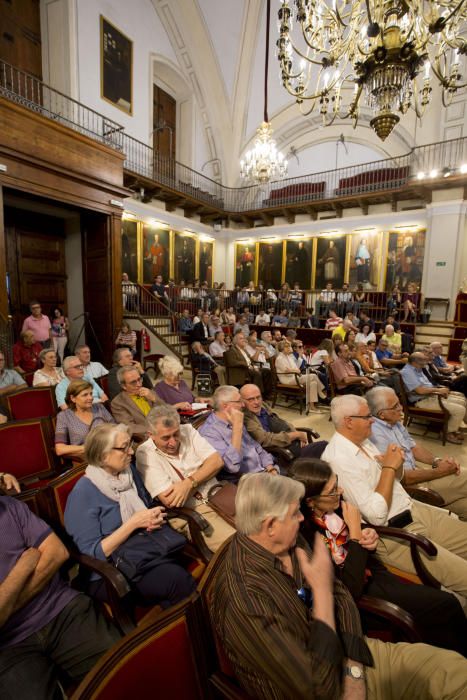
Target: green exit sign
x=441 y=263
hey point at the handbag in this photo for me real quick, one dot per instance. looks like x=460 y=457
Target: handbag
x=144 y=550
x=221 y=498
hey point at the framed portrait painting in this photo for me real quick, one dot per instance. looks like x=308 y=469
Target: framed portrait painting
x=156 y=254
x=270 y=264
x=404 y=264
x=116 y=67
x=365 y=258
x=130 y=249
x=206 y=251
x=298 y=263
x=245 y=263
x=184 y=258
x=330 y=261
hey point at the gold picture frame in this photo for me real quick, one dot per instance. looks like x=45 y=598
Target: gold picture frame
x=116 y=67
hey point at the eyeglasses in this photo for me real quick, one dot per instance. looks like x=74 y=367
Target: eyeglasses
x=334 y=492
x=368 y=417
x=393 y=408
x=135 y=382
x=76 y=367
x=236 y=401
x=254 y=398
x=126 y=448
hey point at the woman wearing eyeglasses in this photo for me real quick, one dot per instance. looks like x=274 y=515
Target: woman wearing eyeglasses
x=437 y=614
x=108 y=505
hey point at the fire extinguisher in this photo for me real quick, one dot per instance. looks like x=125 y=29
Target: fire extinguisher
x=146 y=340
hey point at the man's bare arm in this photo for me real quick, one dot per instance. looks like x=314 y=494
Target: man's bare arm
x=12 y=586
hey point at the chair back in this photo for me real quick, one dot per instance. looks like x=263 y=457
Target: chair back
x=33 y=402
x=104 y=382
x=26 y=449
x=164 y=656
x=331 y=381
x=56 y=494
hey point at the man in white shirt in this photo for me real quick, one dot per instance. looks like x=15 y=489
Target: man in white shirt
x=266 y=341
x=94 y=370
x=263 y=319
x=178 y=467
x=218 y=347
x=371 y=482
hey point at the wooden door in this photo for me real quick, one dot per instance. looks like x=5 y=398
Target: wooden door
x=164 y=123
x=20 y=35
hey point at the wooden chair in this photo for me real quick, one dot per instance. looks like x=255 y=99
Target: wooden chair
x=296 y=391
x=170 y=656
x=412 y=413
x=31 y=403
x=26 y=448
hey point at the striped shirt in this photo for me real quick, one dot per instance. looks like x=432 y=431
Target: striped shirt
x=278 y=650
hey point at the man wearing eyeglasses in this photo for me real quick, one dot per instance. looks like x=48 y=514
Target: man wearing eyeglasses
x=371 y=481
x=133 y=403
x=74 y=369
x=225 y=431
x=445 y=475
x=39 y=324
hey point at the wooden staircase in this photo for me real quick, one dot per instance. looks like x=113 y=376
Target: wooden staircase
x=426 y=333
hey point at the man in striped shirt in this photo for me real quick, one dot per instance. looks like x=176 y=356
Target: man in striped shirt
x=290 y=631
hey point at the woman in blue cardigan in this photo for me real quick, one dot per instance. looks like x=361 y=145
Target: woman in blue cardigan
x=109 y=504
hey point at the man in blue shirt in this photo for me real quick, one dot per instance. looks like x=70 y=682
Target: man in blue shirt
x=185 y=322
x=387 y=358
x=225 y=431
x=74 y=369
x=422 y=392
x=445 y=476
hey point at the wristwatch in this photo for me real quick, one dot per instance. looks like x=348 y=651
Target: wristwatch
x=435 y=462
x=194 y=483
x=354 y=672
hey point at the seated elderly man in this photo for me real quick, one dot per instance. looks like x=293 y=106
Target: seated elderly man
x=132 y=405
x=371 y=481
x=394 y=340
x=26 y=353
x=10 y=380
x=257 y=351
x=444 y=475
x=291 y=631
x=348 y=381
x=48 y=629
x=266 y=342
x=92 y=369
x=266 y=427
x=225 y=431
x=389 y=359
x=123 y=357
x=240 y=364
x=202 y=361
x=73 y=368
x=425 y=395
x=218 y=347
x=178 y=467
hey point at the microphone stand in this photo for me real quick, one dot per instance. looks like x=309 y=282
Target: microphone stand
x=87 y=326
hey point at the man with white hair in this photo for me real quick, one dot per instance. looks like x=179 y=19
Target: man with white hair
x=225 y=431
x=123 y=357
x=370 y=481
x=444 y=475
x=133 y=403
x=291 y=631
x=74 y=369
x=266 y=341
x=394 y=340
x=178 y=467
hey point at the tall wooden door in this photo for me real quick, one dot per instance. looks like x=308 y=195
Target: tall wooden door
x=20 y=35
x=164 y=123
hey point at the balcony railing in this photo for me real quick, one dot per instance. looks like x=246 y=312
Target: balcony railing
x=435 y=160
x=29 y=92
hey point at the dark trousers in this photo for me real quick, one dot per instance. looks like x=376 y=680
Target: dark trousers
x=68 y=646
x=437 y=613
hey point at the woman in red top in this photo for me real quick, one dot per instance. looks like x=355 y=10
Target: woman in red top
x=26 y=353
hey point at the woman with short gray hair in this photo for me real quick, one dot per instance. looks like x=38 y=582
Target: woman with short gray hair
x=49 y=374
x=172 y=388
x=109 y=505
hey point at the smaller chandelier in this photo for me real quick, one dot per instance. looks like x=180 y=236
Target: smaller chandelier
x=382 y=50
x=264 y=162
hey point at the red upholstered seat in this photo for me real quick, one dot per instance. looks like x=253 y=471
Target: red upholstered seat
x=26 y=449
x=32 y=403
x=56 y=495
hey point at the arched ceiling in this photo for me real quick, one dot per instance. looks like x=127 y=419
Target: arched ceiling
x=226 y=41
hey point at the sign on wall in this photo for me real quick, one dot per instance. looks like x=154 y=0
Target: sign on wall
x=116 y=67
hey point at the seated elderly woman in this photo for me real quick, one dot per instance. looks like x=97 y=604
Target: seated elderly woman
x=173 y=389
x=49 y=374
x=289 y=373
x=26 y=353
x=109 y=506
x=74 y=424
x=352 y=548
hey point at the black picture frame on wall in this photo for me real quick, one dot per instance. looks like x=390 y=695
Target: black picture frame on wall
x=116 y=67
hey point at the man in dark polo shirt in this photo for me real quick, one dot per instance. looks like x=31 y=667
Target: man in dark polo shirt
x=45 y=626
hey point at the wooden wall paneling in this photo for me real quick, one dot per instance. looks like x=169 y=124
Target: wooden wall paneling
x=20 y=35
x=3 y=263
x=102 y=280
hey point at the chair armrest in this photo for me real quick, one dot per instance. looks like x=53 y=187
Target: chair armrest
x=392 y=613
x=283 y=453
x=417 y=543
x=425 y=495
x=117 y=588
x=196 y=524
x=310 y=434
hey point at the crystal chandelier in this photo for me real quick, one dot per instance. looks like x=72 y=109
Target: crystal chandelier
x=380 y=52
x=264 y=162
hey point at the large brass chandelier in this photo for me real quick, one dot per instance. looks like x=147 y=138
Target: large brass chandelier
x=264 y=162
x=380 y=52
